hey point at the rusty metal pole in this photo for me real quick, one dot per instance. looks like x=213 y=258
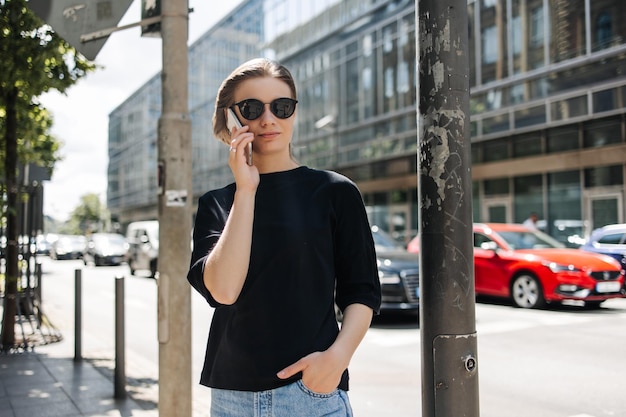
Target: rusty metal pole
x=447 y=306
x=174 y=159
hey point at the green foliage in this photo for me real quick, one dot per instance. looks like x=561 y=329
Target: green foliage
x=34 y=60
x=89 y=216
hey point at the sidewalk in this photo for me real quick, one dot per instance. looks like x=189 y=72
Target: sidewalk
x=47 y=382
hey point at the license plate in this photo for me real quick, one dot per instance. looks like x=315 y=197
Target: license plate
x=613 y=286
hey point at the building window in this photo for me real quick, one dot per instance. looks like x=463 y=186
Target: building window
x=516 y=35
x=527 y=145
x=604 y=30
x=496 y=150
x=498 y=186
x=604 y=176
x=528 y=196
x=389 y=83
x=490 y=45
x=602 y=132
x=403 y=78
x=536 y=27
x=562 y=139
x=564 y=196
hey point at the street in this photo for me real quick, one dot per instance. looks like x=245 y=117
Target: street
x=565 y=361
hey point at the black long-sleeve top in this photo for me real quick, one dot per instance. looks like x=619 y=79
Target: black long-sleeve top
x=310 y=236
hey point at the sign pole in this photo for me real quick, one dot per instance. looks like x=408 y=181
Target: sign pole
x=174 y=155
x=447 y=306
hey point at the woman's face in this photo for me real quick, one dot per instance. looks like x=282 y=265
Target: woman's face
x=272 y=135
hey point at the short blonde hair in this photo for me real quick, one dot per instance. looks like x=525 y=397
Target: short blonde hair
x=255 y=68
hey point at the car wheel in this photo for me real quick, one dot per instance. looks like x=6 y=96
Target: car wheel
x=526 y=292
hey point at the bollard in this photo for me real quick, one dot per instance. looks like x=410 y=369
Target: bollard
x=120 y=362
x=78 y=315
x=38 y=291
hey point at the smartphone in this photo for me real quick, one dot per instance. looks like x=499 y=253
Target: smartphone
x=233 y=121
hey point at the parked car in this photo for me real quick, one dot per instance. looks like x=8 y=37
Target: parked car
x=398 y=271
x=68 y=247
x=609 y=240
x=105 y=249
x=143 y=246
x=532 y=269
x=44 y=243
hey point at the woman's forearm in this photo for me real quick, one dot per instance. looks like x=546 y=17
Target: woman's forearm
x=356 y=321
x=226 y=267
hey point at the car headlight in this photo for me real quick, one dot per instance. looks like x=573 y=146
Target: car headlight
x=556 y=267
x=387 y=277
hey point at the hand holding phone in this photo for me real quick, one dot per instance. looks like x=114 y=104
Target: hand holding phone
x=233 y=121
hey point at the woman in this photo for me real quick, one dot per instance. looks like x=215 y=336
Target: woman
x=272 y=254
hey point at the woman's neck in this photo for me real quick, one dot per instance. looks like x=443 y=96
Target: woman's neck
x=267 y=165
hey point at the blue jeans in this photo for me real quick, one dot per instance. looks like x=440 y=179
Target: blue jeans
x=293 y=400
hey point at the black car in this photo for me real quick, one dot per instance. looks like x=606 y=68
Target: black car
x=398 y=271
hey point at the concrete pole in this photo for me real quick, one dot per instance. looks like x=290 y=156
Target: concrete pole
x=174 y=153
x=447 y=306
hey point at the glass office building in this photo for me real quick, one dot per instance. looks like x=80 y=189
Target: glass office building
x=548 y=105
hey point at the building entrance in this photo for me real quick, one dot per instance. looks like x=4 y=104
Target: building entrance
x=603 y=209
x=497 y=210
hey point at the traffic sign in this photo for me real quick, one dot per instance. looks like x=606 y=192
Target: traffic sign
x=72 y=18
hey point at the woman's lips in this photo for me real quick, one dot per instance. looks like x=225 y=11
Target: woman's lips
x=269 y=135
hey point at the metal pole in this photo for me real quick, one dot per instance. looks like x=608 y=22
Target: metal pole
x=38 y=291
x=78 y=315
x=119 y=391
x=447 y=306
x=175 y=193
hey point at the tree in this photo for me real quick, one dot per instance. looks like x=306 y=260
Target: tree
x=34 y=61
x=89 y=216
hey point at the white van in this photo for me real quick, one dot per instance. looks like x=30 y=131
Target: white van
x=143 y=246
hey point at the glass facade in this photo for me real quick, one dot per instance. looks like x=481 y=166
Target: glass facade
x=547 y=103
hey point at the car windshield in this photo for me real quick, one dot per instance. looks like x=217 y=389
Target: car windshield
x=383 y=241
x=529 y=240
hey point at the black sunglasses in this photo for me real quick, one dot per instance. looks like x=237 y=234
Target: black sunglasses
x=252 y=108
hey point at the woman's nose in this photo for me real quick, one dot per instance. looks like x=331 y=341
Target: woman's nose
x=267 y=115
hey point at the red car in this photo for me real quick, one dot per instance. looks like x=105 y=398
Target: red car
x=532 y=269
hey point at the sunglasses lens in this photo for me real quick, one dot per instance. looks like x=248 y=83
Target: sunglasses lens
x=283 y=107
x=251 y=109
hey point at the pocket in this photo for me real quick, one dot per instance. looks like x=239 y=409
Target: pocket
x=315 y=394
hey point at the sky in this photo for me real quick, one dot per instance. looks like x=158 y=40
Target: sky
x=81 y=115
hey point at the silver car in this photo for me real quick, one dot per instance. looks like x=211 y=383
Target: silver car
x=609 y=240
